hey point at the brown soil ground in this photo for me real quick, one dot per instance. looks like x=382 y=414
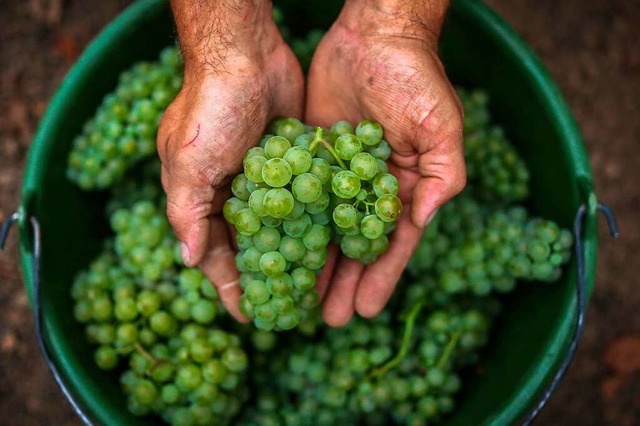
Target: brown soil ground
x=591 y=48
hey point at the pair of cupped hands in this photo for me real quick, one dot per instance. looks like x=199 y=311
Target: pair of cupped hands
x=371 y=64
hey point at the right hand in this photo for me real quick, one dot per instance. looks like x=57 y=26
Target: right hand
x=222 y=110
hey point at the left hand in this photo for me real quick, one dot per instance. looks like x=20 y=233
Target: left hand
x=368 y=66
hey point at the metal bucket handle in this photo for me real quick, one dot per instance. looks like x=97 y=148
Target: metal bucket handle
x=40 y=326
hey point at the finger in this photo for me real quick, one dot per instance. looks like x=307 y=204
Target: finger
x=190 y=194
x=441 y=165
x=379 y=279
x=324 y=278
x=338 y=306
x=218 y=264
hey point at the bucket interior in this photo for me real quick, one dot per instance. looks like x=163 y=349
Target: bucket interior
x=478 y=51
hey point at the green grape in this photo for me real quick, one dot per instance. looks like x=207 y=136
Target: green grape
x=251 y=258
x=342 y=127
x=276 y=172
x=280 y=285
x=271 y=222
x=278 y=202
x=288 y=321
x=317 y=237
x=203 y=311
x=304 y=141
x=364 y=165
x=320 y=205
x=348 y=145
x=267 y=239
x=314 y=259
x=289 y=128
x=345 y=184
x=265 y=312
x=297 y=228
x=106 y=358
x=388 y=207
x=372 y=227
x=257 y=292
x=235 y=359
x=273 y=263
x=303 y=278
x=299 y=159
x=345 y=215
x=382 y=151
x=385 y=183
x=148 y=302
x=306 y=188
x=355 y=246
x=292 y=249
x=276 y=147
x=321 y=169
x=253 y=168
x=322 y=218
x=162 y=323
x=369 y=132
x=247 y=222
x=239 y=187
x=256 y=202
x=256 y=151
x=298 y=210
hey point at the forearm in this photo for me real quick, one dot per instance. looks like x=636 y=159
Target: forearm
x=212 y=32
x=413 y=18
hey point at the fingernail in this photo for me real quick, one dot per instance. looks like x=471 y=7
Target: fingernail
x=184 y=250
x=430 y=217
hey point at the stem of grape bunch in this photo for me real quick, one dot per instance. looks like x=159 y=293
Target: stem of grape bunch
x=320 y=140
x=446 y=354
x=406 y=341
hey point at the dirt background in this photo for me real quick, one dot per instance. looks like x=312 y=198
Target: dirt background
x=591 y=48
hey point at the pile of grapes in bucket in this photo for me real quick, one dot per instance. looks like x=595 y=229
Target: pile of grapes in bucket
x=178 y=354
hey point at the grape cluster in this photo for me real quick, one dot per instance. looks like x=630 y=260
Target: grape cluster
x=473 y=249
x=123 y=129
x=140 y=306
x=366 y=373
x=300 y=189
x=495 y=171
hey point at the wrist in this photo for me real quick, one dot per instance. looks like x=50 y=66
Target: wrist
x=405 y=18
x=216 y=36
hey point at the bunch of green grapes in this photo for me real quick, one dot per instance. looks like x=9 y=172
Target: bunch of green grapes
x=495 y=171
x=369 y=373
x=123 y=130
x=144 y=241
x=296 y=187
x=479 y=250
x=181 y=365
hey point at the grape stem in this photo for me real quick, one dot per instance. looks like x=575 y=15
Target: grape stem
x=406 y=341
x=320 y=140
x=144 y=353
x=449 y=349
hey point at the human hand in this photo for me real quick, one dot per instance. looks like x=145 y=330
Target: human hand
x=379 y=61
x=239 y=74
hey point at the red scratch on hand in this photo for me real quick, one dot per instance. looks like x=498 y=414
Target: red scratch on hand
x=196 y=136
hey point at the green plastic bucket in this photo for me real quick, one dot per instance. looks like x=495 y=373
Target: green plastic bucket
x=478 y=49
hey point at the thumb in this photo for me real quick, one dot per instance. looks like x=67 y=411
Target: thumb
x=189 y=206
